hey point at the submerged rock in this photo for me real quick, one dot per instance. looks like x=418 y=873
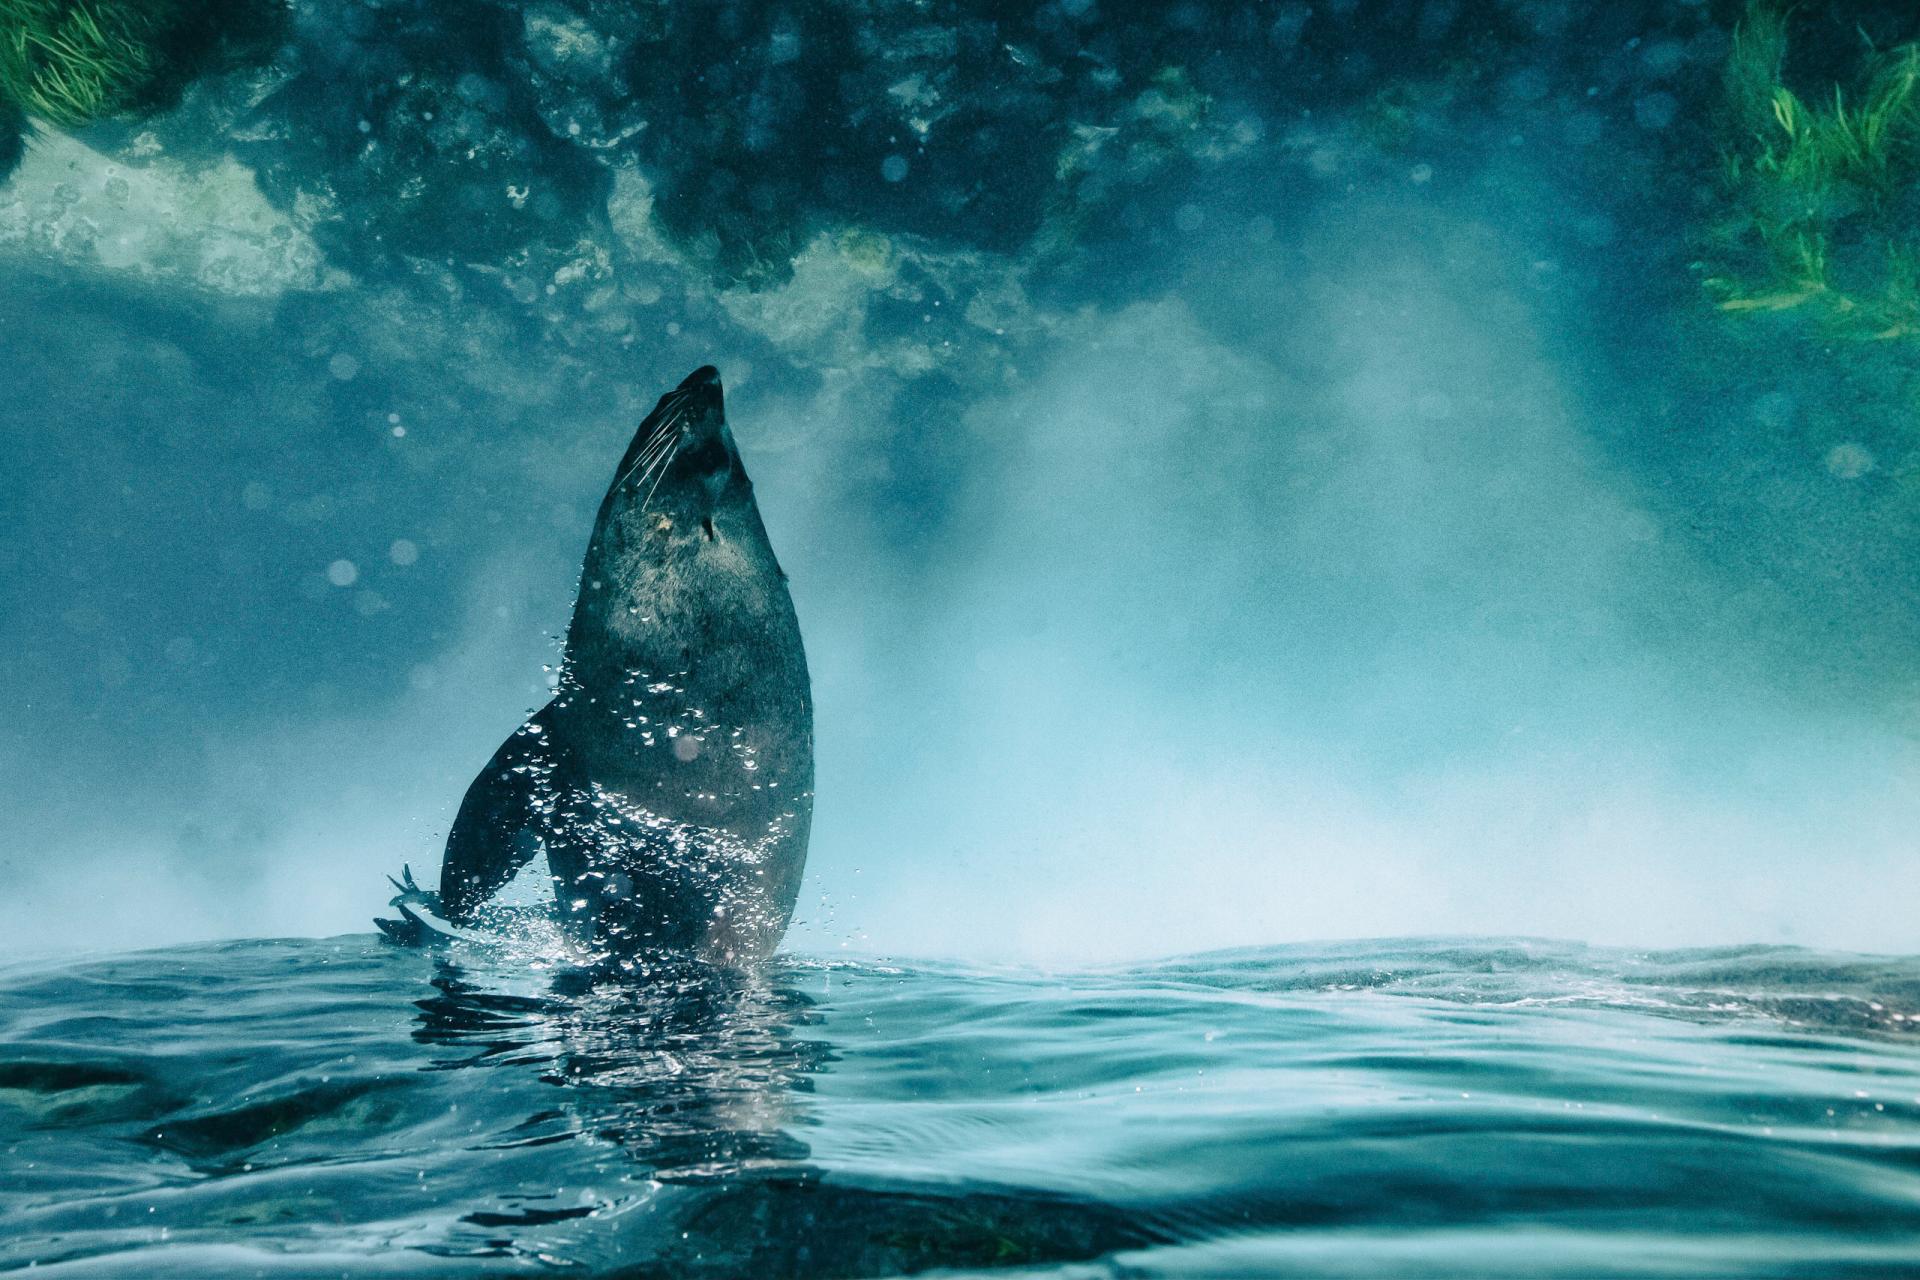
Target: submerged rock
x=200 y=224
x=480 y=132
x=407 y=138
x=577 y=59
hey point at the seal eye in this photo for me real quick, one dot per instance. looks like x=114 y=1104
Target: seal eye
x=706 y=523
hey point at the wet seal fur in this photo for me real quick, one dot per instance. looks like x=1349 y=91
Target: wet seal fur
x=670 y=780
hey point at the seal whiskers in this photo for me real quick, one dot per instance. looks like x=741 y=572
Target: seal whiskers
x=658 y=449
x=672 y=449
x=655 y=442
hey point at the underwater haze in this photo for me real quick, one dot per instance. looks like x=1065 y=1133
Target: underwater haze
x=1251 y=475
x=1259 y=473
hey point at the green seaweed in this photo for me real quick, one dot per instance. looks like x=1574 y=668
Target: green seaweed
x=1817 y=218
x=68 y=63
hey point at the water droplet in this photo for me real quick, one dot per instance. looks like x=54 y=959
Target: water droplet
x=1849 y=461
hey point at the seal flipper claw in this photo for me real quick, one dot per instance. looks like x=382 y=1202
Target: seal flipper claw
x=410 y=930
x=406 y=884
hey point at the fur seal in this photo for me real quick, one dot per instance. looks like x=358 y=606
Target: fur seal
x=670 y=779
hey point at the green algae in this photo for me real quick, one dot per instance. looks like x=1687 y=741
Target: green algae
x=70 y=63
x=1818 y=189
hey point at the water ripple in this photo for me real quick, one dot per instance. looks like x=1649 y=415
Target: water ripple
x=1433 y=1108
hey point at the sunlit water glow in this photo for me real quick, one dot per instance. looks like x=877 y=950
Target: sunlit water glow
x=1459 y=1108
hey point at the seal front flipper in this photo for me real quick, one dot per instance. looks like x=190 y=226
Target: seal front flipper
x=496 y=830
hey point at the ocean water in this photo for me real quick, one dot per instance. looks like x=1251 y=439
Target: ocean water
x=1245 y=473
x=1459 y=1108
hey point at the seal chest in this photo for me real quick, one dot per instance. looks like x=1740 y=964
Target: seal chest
x=670 y=780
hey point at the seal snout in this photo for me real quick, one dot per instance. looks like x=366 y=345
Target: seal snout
x=701 y=390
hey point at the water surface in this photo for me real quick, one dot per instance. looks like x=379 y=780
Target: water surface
x=1484 y=1108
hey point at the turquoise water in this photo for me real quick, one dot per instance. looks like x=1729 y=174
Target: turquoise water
x=1460 y=1108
